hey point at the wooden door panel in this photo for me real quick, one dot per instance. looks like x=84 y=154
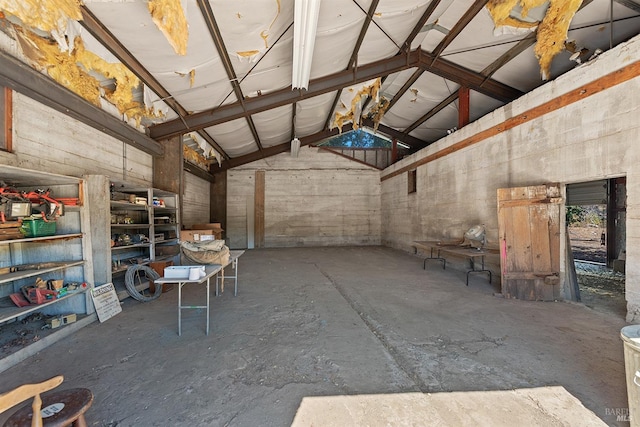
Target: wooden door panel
x=528 y=226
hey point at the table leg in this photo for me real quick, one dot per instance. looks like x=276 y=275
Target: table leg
x=207 y=306
x=180 y=308
x=235 y=270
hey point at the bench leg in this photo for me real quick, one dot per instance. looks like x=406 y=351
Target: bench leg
x=478 y=271
x=437 y=257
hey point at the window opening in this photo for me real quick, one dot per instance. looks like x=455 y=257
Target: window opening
x=412 y=181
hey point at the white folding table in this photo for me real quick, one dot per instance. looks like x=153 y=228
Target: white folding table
x=210 y=270
x=233 y=262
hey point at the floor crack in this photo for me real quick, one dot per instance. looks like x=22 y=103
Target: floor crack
x=370 y=323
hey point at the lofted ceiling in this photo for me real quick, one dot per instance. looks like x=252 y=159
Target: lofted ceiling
x=218 y=72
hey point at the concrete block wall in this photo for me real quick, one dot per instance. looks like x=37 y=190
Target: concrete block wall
x=316 y=199
x=195 y=200
x=47 y=140
x=594 y=138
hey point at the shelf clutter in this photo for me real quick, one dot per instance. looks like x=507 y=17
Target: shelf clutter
x=202 y=232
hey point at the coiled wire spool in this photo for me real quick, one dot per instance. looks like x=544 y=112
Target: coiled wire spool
x=134 y=272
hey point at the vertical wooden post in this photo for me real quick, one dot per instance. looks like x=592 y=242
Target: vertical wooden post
x=394 y=150
x=259 y=209
x=167 y=169
x=6 y=121
x=463 y=107
x=218 y=206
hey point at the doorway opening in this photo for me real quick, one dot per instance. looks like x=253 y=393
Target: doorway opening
x=595 y=217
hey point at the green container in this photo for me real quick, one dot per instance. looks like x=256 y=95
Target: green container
x=37 y=227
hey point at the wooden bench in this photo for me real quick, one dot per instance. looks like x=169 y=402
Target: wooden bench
x=441 y=248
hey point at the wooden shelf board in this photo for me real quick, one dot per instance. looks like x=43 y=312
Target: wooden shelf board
x=137 y=245
x=23 y=274
x=13 y=312
x=42 y=239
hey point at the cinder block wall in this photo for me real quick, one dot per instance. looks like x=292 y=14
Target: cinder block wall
x=316 y=199
x=594 y=138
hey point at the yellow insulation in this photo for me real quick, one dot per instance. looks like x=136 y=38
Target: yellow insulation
x=341 y=118
x=196 y=158
x=61 y=66
x=552 y=32
x=45 y=15
x=500 y=12
x=71 y=70
x=168 y=16
x=377 y=111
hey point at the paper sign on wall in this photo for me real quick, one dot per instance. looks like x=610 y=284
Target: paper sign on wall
x=106 y=301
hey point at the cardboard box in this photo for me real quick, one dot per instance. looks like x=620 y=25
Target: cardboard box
x=193 y=235
x=213 y=226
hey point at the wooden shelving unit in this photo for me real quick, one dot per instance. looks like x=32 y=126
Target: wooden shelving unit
x=65 y=256
x=129 y=211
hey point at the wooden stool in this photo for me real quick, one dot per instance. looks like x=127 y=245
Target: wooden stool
x=76 y=401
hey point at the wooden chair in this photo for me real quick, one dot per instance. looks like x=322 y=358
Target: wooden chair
x=62 y=408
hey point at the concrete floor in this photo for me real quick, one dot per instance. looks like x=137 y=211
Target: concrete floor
x=344 y=336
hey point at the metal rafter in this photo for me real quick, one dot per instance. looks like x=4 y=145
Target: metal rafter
x=457 y=29
x=405 y=87
x=354 y=56
x=629 y=4
x=109 y=41
x=334 y=82
x=465 y=77
x=214 y=30
x=363 y=33
x=285 y=96
x=407 y=45
x=435 y=110
x=421 y=23
x=415 y=144
x=489 y=71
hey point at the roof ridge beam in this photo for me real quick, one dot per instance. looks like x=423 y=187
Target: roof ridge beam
x=285 y=96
